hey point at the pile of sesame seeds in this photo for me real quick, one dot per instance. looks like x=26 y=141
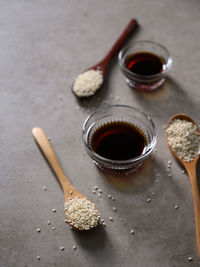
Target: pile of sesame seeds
x=87 y=83
x=81 y=213
x=184 y=139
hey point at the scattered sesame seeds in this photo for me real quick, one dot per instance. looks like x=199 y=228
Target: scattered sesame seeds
x=74 y=247
x=53 y=228
x=190 y=259
x=38 y=257
x=176 y=207
x=53 y=210
x=148 y=199
x=62 y=248
x=38 y=230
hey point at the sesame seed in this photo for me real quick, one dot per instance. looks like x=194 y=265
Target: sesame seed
x=132 y=232
x=100 y=191
x=153 y=193
x=113 y=199
x=74 y=247
x=48 y=222
x=184 y=139
x=94 y=192
x=44 y=187
x=38 y=230
x=95 y=187
x=62 y=248
x=38 y=257
x=183 y=171
x=49 y=139
x=114 y=209
x=99 y=195
x=53 y=210
x=82 y=213
x=109 y=196
x=111 y=219
x=53 y=228
x=148 y=199
x=71 y=192
x=190 y=258
x=176 y=207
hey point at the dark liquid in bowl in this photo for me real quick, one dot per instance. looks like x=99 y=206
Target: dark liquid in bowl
x=118 y=141
x=144 y=63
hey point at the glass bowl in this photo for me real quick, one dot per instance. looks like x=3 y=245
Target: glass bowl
x=143 y=81
x=112 y=114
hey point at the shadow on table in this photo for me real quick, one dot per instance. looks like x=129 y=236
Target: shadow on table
x=168 y=100
x=96 y=240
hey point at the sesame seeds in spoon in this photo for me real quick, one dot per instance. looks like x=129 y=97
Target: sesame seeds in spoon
x=183 y=138
x=80 y=212
x=91 y=80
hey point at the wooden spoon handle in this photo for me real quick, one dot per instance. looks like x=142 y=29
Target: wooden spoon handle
x=115 y=48
x=193 y=178
x=47 y=149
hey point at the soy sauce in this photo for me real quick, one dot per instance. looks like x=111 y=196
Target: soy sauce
x=144 y=63
x=118 y=141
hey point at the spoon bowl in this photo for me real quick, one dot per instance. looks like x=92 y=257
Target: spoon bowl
x=70 y=192
x=101 y=66
x=191 y=170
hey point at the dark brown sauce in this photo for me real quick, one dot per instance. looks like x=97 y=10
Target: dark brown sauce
x=144 y=63
x=118 y=141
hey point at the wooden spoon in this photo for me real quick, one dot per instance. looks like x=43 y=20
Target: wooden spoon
x=191 y=170
x=103 y=64
x=68 y=189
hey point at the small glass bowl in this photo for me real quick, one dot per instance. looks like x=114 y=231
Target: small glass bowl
x=145 y=82
x=119 y=113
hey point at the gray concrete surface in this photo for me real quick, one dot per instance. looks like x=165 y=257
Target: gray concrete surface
x=44 y=45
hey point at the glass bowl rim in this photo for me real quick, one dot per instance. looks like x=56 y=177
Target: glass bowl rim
x=129 y=46
x=119 y=162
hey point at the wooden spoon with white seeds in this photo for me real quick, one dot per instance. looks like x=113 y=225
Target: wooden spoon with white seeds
x=70 y=192
x=191 y=168
x=86 y=85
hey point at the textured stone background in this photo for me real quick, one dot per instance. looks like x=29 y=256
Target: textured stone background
x=44 y=45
